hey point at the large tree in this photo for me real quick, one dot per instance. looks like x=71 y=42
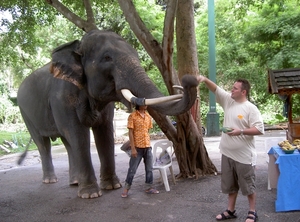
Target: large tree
x=189 y=130
x=187 y=137
x=190 y=151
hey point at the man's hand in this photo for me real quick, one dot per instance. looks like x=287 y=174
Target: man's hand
x=133 y=152
x=210 y=84
x=234 y=132
x=200 y=78
x=132 y=145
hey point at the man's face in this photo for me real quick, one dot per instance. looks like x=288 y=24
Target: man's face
x=237 y=92
x=143 y=107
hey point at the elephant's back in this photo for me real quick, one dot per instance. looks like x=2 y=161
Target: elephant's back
x=34 y=83
x=42 y=100
x=41 y=86
x=34 y=98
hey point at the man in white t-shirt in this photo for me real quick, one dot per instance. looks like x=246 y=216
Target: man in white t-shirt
x=237 y=146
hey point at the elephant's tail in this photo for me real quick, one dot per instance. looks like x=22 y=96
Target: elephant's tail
x=22 y=157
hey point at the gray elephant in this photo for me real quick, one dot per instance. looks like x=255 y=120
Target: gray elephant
x=76 y=91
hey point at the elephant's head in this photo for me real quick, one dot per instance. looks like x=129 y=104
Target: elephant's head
x=109 y=69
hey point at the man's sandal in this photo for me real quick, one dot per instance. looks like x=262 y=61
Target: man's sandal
x=152 y=191
x=230 y=215
x=124 y=193
x=254 y=217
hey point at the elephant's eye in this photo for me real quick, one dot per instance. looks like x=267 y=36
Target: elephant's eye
x=107 y=58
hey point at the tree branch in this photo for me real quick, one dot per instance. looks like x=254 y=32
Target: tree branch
x=89 y=11
x=72 y=17
x=161 y=56
x=150 y=44
x=170 y=74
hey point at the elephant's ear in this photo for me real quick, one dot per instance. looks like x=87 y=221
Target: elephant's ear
x=66 y=64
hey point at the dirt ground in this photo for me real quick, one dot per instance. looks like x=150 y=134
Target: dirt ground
x=25 y=198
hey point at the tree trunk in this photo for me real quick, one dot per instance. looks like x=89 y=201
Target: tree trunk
x=189 y=146
x=192 y=154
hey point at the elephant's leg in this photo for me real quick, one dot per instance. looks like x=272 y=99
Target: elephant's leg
x=104 y=140
x=105 y=147
x=44 y=146
x=78 y=138
x=87 y=182
x=73 y=178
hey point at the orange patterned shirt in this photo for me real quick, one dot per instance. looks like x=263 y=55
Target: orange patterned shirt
x=140 y=126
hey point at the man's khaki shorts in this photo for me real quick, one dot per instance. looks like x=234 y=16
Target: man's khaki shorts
x=237 y=176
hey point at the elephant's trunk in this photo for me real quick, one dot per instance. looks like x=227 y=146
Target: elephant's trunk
x=137 y=88
x=177 y=107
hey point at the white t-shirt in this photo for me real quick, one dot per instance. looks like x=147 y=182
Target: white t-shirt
x=239 y=116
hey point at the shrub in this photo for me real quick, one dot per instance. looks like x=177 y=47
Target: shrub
x=8 y=112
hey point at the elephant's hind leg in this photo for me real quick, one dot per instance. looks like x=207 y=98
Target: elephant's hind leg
x=44 y=146
x=73 y=177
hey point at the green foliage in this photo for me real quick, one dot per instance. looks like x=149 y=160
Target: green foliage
x=296 y=106
x=3 y=87
x=21 y=140
x=155 y=128
x=153 y=17
x=272 y=35
x=280 y=118
x=251 y=37
x=8 y=112
x=19 y=60
x=272 y=110
x=19 y=40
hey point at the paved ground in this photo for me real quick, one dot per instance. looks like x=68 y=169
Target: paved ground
x=24 y=197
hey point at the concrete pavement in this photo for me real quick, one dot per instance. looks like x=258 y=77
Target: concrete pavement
x=25 y=198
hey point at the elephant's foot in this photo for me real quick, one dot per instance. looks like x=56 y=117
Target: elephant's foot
x=73 y=181
x=50 y=179
x=110 y=183
x=89 y=191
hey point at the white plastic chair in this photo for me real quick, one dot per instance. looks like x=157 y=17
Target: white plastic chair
x=162 y=160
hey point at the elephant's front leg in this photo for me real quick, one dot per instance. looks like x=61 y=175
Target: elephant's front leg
x=104 y=140
x=81 y=164
x=87 y=182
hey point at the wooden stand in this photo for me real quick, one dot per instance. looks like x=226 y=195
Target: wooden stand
x=293 y=132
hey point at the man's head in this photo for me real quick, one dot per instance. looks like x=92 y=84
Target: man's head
x=137 y=107
x=240 y=90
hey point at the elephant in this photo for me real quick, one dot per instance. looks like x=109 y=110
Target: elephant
x=75 y=93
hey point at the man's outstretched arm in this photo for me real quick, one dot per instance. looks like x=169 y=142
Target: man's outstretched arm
x=209 y=84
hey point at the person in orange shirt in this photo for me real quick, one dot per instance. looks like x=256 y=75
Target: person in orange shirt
x=139 y=123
